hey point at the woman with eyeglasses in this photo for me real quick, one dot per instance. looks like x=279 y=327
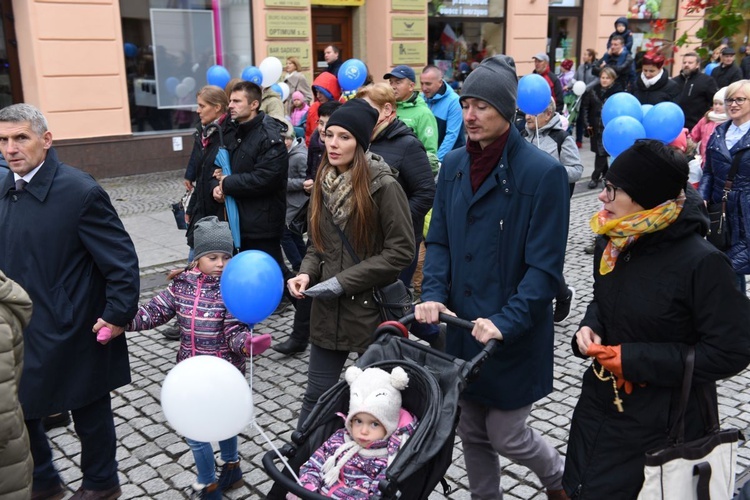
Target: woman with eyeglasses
x=659 y=288
x=730 y=141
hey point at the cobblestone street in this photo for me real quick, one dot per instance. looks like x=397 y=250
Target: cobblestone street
x=155 y=462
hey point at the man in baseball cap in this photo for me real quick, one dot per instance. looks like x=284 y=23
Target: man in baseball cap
x=541 y=67
x=412 y=110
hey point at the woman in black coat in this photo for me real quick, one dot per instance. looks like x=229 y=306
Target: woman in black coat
x=659 y=288
x=396 y=143
x=654 y=85
x=591 y=112
x=212 y=108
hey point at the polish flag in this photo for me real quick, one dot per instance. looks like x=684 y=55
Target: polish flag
x=448 y=36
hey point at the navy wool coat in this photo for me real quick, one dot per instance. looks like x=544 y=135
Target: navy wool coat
x=498 y=254
x=62 y=240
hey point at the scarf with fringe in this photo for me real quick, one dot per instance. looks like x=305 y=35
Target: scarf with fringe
x=338 y=196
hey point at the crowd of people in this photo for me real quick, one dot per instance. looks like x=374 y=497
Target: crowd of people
x=451 y=194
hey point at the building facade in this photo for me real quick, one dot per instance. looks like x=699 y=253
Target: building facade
x=117 y=78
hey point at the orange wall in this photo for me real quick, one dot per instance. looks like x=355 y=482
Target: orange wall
x=525 y=32
x=72 y=65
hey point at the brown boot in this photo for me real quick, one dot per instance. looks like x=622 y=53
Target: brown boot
x=557 y=495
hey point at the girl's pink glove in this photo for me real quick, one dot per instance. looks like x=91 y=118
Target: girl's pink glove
x=104 y=334
x=257 y=344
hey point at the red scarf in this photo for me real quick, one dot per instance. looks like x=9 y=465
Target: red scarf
x=484 y=160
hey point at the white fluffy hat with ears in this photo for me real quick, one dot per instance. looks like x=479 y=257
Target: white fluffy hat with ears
x=378 y=393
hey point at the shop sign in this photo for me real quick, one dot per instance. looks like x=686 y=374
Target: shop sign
x=286 y=3
x=290 y=49
x=411 y=53
x=465 y=8
x=287 y=25
x=408 y=27
x=408 y=4
x=339 y=3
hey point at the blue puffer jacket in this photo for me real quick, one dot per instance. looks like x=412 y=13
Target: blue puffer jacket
x=449 y=118
x=718 y=163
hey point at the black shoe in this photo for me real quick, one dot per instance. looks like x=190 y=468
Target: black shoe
x=593 y=184
x=172 y=332
x=56 y=420
x=54 y=492
x=590 y=248
x=562 y=307
x=290 y=346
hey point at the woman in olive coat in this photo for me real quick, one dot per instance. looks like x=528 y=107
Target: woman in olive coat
x=355 y=196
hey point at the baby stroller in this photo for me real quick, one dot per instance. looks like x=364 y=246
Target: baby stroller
x=435 y=381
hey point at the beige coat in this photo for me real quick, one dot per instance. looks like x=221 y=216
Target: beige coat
x=15 y=458
x=347 y=323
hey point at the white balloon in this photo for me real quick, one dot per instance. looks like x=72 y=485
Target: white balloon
x=284 y=90
x=271 y=69
x=579 y=88
x=189 y=82
x=181 y=90
x=206 y=398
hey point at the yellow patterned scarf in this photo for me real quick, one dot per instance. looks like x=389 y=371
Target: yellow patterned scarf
x=625 y=231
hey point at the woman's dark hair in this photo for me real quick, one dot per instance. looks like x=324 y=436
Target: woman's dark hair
x=361 y=219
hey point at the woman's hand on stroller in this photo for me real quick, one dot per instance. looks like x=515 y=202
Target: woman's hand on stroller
x=429 y=312
x=297 y=285
x=485 y=330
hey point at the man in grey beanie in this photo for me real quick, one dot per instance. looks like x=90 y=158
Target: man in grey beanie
x=495 y=253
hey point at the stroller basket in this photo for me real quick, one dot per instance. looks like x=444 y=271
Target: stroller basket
x=435 y=382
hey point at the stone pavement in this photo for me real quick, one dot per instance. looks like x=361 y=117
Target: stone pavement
x=154 y=462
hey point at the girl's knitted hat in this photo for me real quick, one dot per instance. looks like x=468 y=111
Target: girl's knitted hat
x=212 y=236
x=377 y=393
x=298 y=95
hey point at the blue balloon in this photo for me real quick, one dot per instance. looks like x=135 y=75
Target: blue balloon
x=352 y=74
x=710 y=67
x=277 y=88
x=171 y=83
x=534 y=94
x=252 y=74
x=664 y=122
x=621 y=104
x=131 y=50
x=251 y=286
x=645 y=108
x=218 y=75
x=621 y=133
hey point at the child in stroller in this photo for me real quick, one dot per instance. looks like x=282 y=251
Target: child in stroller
x=350 y=464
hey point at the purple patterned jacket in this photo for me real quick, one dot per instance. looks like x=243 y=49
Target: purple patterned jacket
x=206 y=326
x=360 y=475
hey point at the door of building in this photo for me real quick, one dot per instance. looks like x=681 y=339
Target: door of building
x=564 y=35
x=11 y=91
x=331 y=27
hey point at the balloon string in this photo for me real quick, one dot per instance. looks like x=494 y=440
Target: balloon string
x=536 y=121
x=258 y=427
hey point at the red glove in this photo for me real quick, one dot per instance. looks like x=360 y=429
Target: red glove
x=610 y=357
x=257 y=344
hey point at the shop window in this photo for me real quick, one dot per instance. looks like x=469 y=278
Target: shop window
x=461 y=34
x=168 y=47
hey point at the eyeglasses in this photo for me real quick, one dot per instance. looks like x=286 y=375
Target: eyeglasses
x=738 y=100
x=611 y=191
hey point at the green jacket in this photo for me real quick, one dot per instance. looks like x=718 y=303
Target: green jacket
x=415 y=113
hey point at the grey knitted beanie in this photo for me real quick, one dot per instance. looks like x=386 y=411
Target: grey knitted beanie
x=212 y=235
x=494 y=81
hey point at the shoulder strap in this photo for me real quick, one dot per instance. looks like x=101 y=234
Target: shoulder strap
x=733 y=171
x=677 y=433
x=559 y=136
x=347 y=244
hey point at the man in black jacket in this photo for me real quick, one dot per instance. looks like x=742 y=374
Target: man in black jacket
x=258 y=180
x=332 y=55
x=696 y=90
x=620 y=60
x=727 y=72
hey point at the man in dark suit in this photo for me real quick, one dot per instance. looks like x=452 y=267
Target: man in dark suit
x=62 y=240
x=727 y=72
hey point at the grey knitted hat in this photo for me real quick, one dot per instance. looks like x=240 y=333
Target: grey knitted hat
x=212 y=235
x=495 y=82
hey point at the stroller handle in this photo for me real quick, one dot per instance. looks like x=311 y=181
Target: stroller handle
x=471 y=370
x=269 y=463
